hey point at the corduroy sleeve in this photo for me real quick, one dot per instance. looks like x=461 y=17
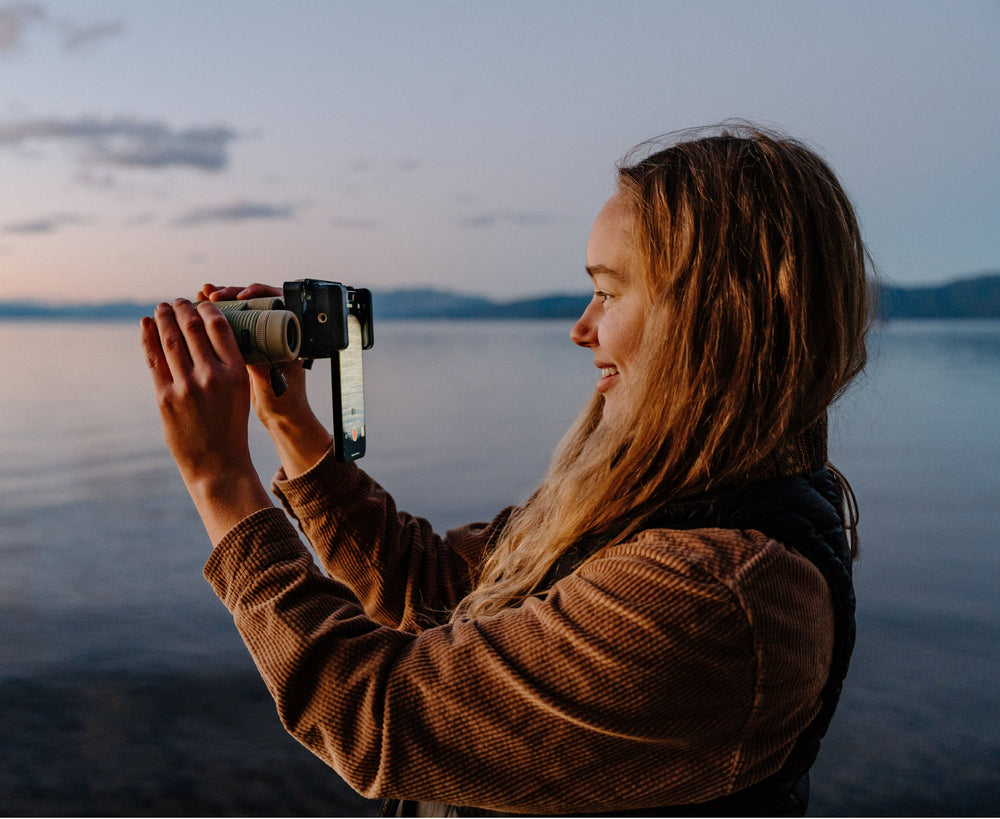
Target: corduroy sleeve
x=404 y=575
x=632 y=684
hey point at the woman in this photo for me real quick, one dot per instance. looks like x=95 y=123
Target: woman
x=665 y=624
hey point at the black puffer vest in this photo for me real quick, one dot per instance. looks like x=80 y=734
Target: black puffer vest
x=803 y=512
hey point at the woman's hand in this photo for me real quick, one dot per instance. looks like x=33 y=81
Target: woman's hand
x=299 y=436
x=271 y=409
x=202 y=391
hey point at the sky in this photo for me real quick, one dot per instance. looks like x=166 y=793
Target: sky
x=149 y=147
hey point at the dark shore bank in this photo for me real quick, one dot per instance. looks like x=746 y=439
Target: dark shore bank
x=147 y=744
x=185 y=743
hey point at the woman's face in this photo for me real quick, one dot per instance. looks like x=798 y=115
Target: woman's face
x=612 y=324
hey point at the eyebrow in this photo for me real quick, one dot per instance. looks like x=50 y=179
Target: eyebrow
x=601 y=270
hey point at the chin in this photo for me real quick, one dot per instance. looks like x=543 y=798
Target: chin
x=617 y=411
x=610 y=417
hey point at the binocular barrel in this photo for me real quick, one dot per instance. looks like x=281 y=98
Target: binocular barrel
x=265 y=332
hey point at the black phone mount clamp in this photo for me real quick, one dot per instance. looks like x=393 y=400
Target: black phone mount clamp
x=323 y=309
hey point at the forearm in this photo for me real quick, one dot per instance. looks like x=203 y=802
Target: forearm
x=394 y=562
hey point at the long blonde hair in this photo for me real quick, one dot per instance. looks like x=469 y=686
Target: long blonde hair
x=755 y=271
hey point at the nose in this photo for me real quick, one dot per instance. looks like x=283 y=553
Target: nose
x=584 y=332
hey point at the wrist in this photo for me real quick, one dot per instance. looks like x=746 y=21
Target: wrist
x=286 y=420
x=300 y=440
x=225 y=498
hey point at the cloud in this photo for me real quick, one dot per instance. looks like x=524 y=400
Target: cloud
x=140 y=219
x=91 y=178
x=364 y=165
x=14 y=20
x=491 y=219
x=45 y=224
x=355 y=223
x=235 y=212
x=76 y=37
x=127 y=142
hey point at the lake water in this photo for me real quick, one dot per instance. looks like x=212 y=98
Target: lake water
x=125 y=688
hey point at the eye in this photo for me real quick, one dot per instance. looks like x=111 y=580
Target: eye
x=601 y=296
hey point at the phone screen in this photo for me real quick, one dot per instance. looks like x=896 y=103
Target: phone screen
x=352 y=395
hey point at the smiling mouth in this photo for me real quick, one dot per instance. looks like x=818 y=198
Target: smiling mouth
x=608 y=376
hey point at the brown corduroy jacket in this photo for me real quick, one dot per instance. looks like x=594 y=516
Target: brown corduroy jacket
x=674 y=668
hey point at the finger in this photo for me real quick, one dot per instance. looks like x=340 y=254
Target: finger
x=257 y=290
x=209 y=292
x=224 y=293
x=175 y=350
x=219 y=334
x=151 y=347
x=206 y=291
x=195 y=335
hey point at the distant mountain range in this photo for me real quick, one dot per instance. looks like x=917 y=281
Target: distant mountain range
x=977 y=297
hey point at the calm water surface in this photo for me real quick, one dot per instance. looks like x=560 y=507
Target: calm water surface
x=101 y=552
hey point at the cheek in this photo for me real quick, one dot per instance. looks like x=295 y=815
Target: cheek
x=609 y=336
x=622 y=339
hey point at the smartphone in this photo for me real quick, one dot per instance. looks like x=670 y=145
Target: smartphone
x=349 y=396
